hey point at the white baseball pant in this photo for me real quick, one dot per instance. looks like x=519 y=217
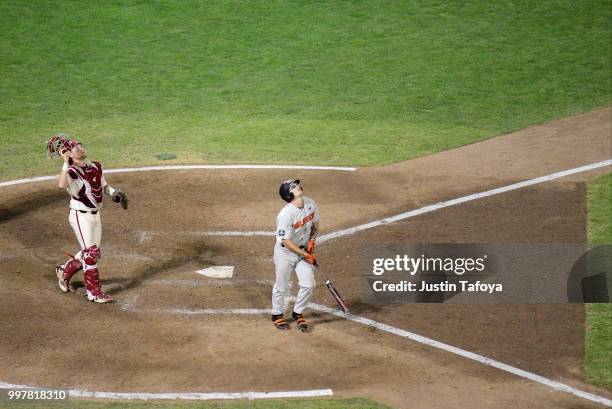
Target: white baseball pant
x=286 y=262
x=87 y=228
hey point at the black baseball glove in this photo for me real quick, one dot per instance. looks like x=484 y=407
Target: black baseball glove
x=120 y=197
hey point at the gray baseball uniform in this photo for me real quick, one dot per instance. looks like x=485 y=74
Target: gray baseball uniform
x=295 y=224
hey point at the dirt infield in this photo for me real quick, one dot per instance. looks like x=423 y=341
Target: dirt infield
x=150 y=253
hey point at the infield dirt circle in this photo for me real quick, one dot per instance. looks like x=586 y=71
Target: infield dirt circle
x=151 y=252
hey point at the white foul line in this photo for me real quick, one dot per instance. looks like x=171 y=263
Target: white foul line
x=458 y=351
x=459 y=200
x=204 y=395
x=130 y=305
x=186 y=167
x=187 y=395
x=203 y=311
x=234 y=233
x=210 y=282
x=190 y=167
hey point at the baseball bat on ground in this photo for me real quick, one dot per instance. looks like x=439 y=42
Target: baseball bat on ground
x=337 y=297
x=328 y=283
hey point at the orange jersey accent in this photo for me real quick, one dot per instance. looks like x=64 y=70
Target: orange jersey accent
x=302 y=222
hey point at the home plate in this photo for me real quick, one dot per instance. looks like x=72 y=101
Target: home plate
x=217 y=272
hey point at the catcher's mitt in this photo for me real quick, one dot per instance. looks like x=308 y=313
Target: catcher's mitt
x=119 y=196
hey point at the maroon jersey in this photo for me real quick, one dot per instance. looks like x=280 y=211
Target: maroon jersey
x=86 y=186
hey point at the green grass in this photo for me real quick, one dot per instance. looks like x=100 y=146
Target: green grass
x=328 y=82
x=599 y=344
x=243 y=404
x=600 y=211
x=598 y=338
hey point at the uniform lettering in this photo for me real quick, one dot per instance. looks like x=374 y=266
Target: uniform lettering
x=302 y=222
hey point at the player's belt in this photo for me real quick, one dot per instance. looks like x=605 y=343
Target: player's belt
x=301 y=247
x=85 y=211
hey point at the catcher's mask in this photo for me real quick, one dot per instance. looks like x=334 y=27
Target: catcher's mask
x=59 y=143
x=285 y=189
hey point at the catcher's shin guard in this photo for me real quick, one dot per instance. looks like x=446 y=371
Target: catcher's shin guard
x=65 y=272
x=91 y=255
x=92 y=284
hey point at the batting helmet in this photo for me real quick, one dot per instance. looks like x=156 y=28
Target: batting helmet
x=285 y=189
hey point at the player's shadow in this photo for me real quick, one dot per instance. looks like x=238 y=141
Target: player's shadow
x=320 y=318
x=29 y=203
x=194 y=251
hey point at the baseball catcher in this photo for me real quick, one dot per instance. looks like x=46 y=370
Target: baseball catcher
x=297 y=226
x=86 y=186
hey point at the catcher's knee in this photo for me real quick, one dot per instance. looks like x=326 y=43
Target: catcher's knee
x=91 y=256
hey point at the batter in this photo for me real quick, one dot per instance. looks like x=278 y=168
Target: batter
x=297 y=226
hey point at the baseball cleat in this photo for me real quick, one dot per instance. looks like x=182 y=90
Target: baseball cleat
x=100 y=298
x=300 y=321
x=64 y=285
x=279 y=322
